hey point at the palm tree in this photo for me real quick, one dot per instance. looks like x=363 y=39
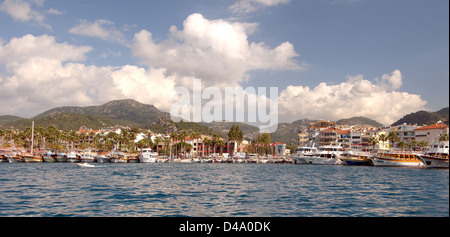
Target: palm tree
x=174 y=136
x=393 y=137
x=221 y=144
x=444 y=137
x=373 y=141
x=414 y=144
x=402 y=145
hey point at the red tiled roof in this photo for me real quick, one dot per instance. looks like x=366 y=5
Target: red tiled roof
x=434 y=126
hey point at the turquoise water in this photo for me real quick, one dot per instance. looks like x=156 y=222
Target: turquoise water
x=242 y=190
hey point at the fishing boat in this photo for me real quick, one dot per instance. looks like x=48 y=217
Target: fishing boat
x=148 y=156
x=437 y=156
x=356 y=159
x=326 y=155
x=397 y=159
x=49 y=157
x=303 y=151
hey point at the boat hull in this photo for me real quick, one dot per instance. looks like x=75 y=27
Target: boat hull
x=299 y=160
x=323 y=161
x=32 y=159
x=102 y=159
x=396 y=163
x=434 y=162
x=147 y=159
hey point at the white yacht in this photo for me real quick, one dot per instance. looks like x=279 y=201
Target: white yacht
x=303 y=151
x=148 y=156
x=437 y=156
x=88 y=156
x=326 y=155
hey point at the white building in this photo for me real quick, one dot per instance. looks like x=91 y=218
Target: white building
x=431 y=133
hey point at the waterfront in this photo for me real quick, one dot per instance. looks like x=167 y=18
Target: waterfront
x=175 y=189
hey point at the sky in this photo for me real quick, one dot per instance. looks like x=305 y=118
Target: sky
x=330 y=59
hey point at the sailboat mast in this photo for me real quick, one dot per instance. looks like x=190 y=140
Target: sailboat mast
x=32 y=136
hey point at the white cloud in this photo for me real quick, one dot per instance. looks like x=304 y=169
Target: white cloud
x=355 y=97
x=103 y=29
x=249 y=6
x=42 y=73
x=216 y=51
x=21 y=10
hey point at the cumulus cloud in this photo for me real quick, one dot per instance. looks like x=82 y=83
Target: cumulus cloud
x=41 y=73
x=21 y=10
x=249 y=6
x=103 y=29
x=216 y=51
x=355 y=97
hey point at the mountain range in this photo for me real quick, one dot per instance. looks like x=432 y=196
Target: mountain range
x=135 y=114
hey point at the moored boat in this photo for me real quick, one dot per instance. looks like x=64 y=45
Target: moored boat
x=437 y=156
x=147 y=156
x=326 y=155
x=30 y=158
x=102 y=157
x=118 y=157
x=49 y=157
x=303 y=151
x=397 y=159
x=357 y=159
x=61 y=157
x=73 y=157
x=87 y=157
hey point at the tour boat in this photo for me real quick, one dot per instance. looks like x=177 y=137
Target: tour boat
x=102 y=157
x=437 y=156
x=397 y=159
x=147 y=156
x=118 y=157
x=326 y=155
x=302 y=152
x=357 y=159
x=49 y=157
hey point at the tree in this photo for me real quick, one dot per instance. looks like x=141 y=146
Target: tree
x=373 y=141
x=444 y=137
x=402 y=145
x=393 y=137
x=235 y=135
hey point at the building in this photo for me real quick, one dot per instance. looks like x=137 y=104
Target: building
x=406 y=133
x=431 y=133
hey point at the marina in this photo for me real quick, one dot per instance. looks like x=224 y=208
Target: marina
x=436 y=157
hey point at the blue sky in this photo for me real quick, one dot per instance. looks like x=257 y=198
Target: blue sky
x=391 y=56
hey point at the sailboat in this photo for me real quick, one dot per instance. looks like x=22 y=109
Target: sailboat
x=30 y=157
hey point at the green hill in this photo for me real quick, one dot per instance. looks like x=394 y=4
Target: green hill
x=424 y=117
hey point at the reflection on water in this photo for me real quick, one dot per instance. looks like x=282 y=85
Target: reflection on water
x=221 y=190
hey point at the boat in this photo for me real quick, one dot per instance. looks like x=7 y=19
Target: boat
x=13 y=156
x=397 y=159
x=356 y=159
x=301 y=152
x=87 y=157
x=102 y=157
x=132 y=158
x=73 y=157
x=118 y=157
x=49 y=157
x=148 y=156
x=437 y=156
x=326 y=155
x=31 y=158
x=86 y=165
x=61 y=157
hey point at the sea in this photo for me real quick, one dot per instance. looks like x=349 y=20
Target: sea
x=220 y=190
